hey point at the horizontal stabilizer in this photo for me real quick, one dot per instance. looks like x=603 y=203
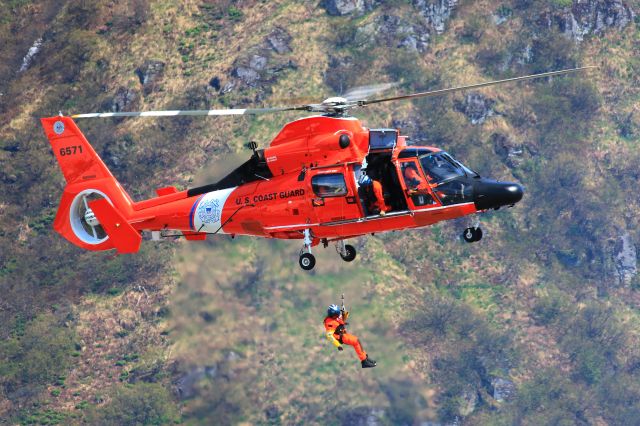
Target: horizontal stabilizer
x=166 y=190
x=195 y=236
x=124 y=238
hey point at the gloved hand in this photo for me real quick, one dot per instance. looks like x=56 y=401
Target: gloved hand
x=340 y=348
x=345 y=315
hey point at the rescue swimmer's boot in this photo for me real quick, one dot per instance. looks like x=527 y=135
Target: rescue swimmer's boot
x=368 y=363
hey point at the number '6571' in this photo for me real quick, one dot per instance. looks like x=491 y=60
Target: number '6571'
x=71 y=150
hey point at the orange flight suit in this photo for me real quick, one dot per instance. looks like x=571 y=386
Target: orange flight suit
x=414 y=179
x=379 y=197
x=336 y=337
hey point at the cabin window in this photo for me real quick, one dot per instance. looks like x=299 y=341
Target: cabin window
x=329 y=185
x=383 y=138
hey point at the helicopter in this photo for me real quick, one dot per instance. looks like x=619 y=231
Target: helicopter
x=307 y=185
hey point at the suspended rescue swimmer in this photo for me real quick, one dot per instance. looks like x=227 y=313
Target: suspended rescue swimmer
x=337 y=334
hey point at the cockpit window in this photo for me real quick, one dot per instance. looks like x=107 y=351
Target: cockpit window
x=440 y=168
x=468 y=171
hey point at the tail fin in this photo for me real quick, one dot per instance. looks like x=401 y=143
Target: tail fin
x=78 y=160
x=88 y=180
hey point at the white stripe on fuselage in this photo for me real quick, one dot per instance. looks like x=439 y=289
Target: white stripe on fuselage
x=391 y=215
x=207 y=216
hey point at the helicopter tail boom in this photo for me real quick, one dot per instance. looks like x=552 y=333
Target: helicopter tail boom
x=94 y=209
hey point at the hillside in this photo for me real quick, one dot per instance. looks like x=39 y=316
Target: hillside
x=539 y=323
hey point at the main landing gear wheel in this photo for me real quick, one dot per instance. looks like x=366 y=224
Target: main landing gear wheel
x=349 y=253
x=471 y=235
x=307 y=261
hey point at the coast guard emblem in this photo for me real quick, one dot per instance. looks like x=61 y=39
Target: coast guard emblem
x=209 y=211
x=58 y=127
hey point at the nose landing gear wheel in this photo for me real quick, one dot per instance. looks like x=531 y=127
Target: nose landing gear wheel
x=350 y=253
x=471 y=235
x=307 y=261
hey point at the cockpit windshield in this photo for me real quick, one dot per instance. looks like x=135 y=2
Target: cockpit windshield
x=441 y=167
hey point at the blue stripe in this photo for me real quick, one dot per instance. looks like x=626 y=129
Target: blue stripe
x=193 y=210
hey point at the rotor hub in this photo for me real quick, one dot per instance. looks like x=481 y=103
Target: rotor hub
x=334 y=101
x=91 y=218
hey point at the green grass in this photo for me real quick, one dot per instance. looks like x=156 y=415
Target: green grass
x=484 y=296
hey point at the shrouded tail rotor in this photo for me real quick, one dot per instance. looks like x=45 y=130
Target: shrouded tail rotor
x=84 y=223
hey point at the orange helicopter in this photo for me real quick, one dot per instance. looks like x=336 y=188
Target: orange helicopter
x=310 y=184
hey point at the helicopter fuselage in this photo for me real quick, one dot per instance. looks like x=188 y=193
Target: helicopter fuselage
x=311 y=182
x=306 y=185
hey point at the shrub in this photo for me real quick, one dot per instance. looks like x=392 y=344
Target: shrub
x=82 y=405
x=550 y=398
x=564 y=110
x=43 y=417
x=548 y=308
x=473 y=29
x=593 y=339
x=143 y=403
x=553 y=51
x=38 y=356
x=470 y=351
x=234 y=13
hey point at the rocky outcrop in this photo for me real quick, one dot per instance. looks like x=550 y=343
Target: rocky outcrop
x=468 y=401
x=348 y=7
x=149 y=73
x=509 y=152
x=279 y=40
x=257 y=70
x=503 y=389
x=436 y=12
x=247 y=75
x=124 y=100
x=28 y=58
x=412 y=129
x=361 y=416
x=262 y=64
x=625 y=261
x=476 y=107
x=394 y=32
x=586 y=17
x=186 y=385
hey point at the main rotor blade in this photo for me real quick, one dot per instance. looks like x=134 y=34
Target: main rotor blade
x=200 y=112
x=363 y=92
x=472 y=86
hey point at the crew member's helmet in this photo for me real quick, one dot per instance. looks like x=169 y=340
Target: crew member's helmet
x=333 y=310
x=364 y=180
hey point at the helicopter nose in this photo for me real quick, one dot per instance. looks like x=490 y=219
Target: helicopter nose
x=491 y=194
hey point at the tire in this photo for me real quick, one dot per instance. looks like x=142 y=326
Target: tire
x=351 y=253
x=468 y=235
x=307 y=261
x=471 y=235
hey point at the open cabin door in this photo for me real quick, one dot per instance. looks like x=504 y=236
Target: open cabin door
x=418 y=193
x=334 y=198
